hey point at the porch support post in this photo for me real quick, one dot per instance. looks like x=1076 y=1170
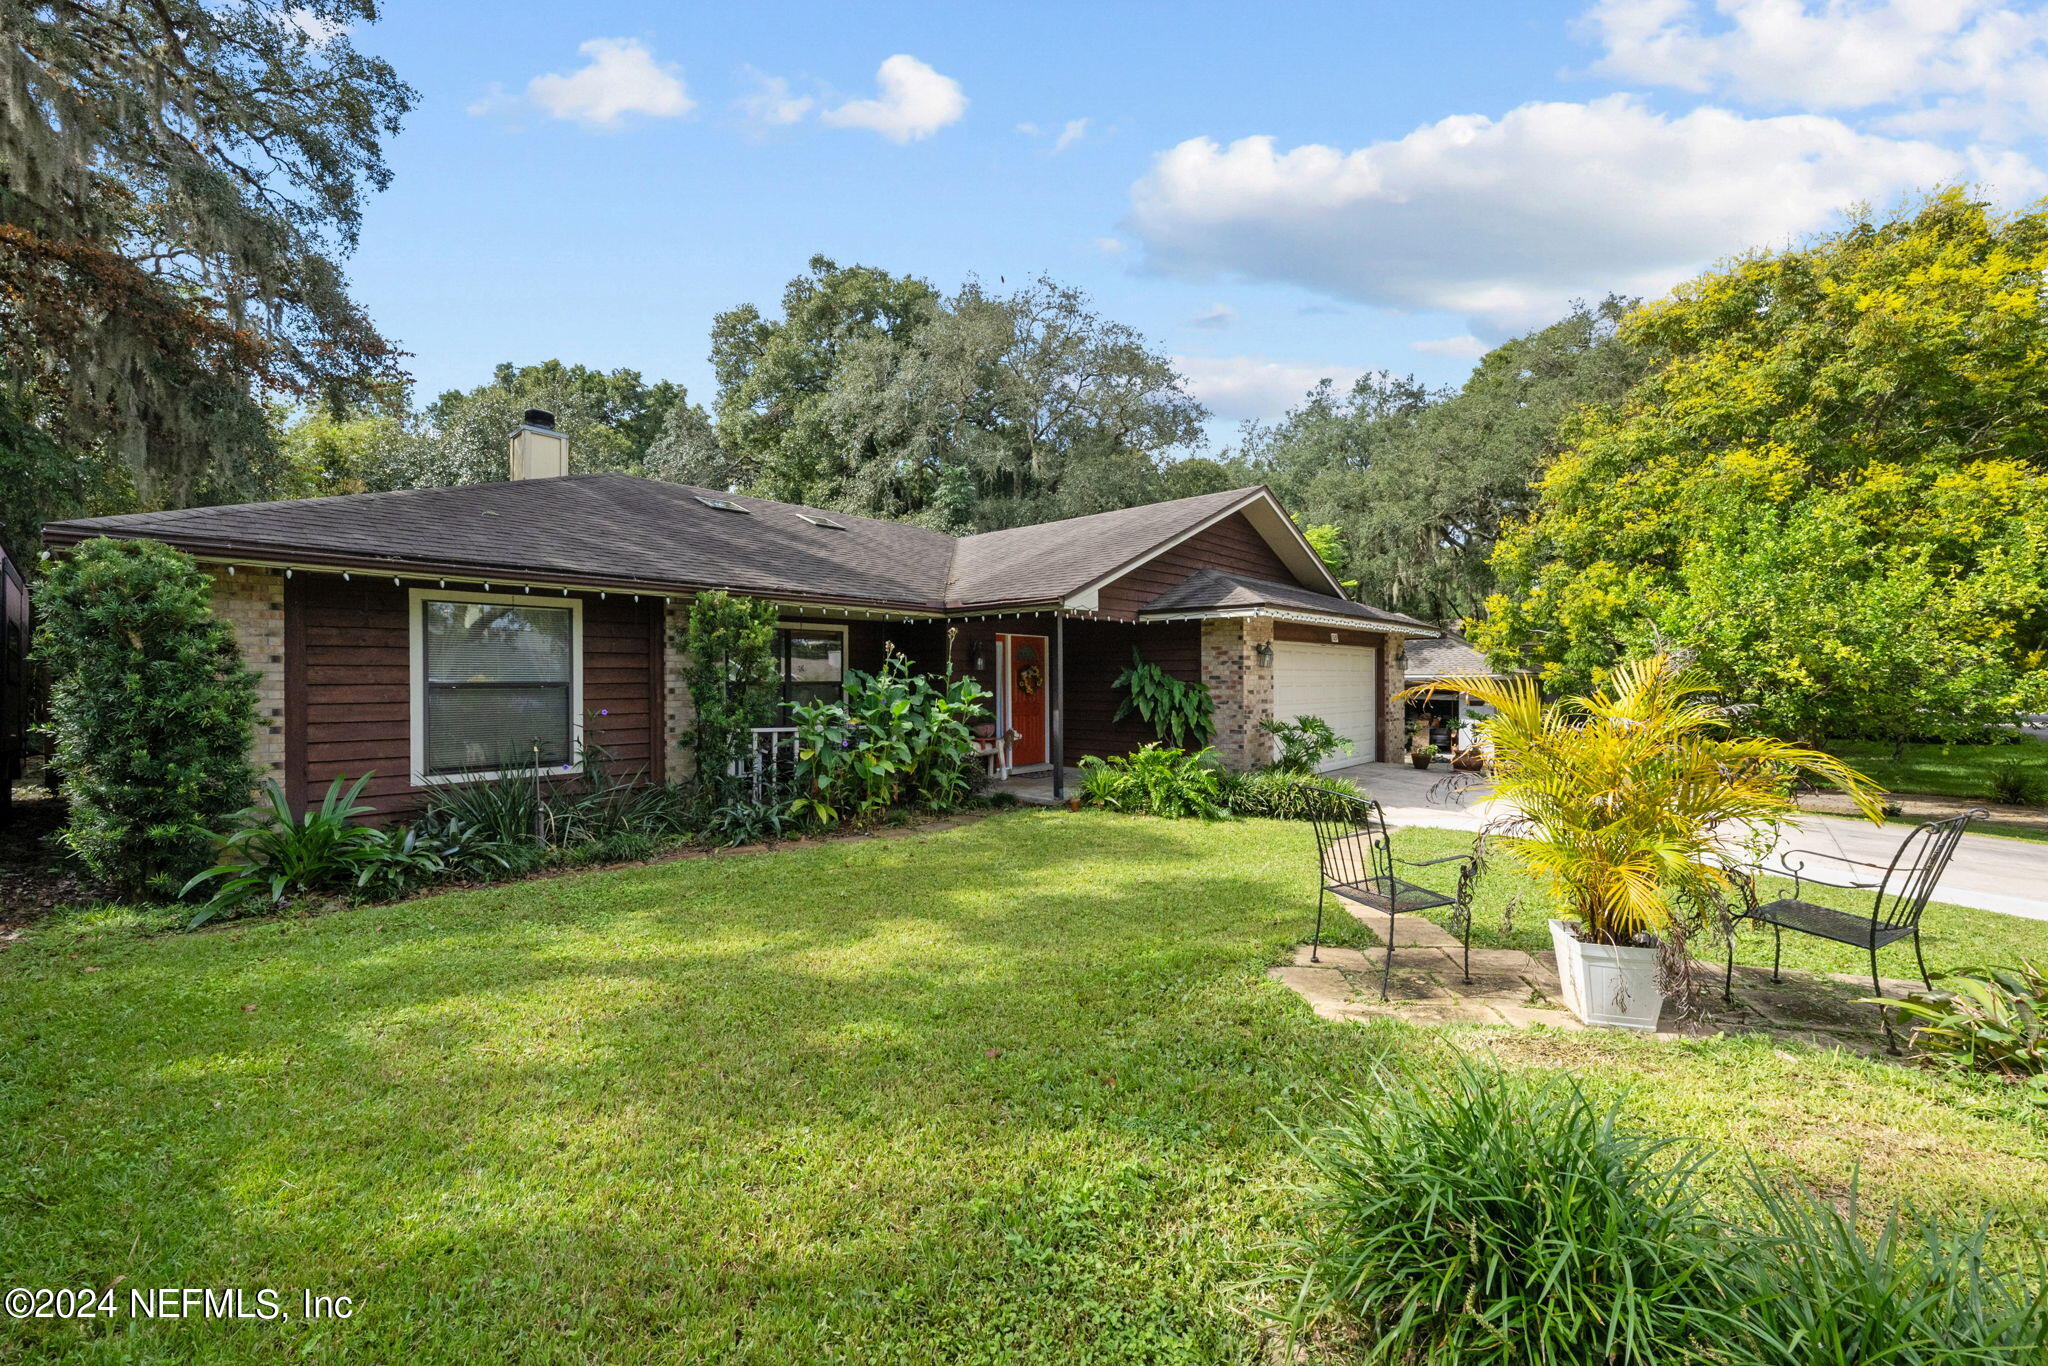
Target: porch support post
x=1059 y=705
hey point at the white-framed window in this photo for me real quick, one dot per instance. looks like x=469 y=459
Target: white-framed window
x=497 y=682
x=812 y=657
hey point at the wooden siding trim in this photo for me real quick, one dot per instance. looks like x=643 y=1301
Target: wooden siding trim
x=1232 y=545
x=295 y=718
x=349 y=695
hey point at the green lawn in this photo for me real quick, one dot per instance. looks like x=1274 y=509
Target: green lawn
x=1939 y=770
x=1004 y=1093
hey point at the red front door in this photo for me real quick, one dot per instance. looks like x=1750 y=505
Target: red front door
x=1029 y=683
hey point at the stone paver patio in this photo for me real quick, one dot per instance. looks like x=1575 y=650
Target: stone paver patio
x=1515 y=988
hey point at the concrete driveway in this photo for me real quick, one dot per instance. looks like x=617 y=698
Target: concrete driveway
x=1989 y=872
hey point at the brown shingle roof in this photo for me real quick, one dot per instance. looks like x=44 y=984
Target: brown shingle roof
x=1052 y=559
x=1212 y=589
x=610 y=528
x=615 y=529
x=1450 y=655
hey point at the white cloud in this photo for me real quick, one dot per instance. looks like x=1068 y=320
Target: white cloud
x=912 y=102
x=1969 y=66
x=621 y=78
x=1238 y=387
x=771 y=105
x=1215 y=317
x=1504 y=221
x=1075 y=130
x=1111 y=245
x=1465 y=347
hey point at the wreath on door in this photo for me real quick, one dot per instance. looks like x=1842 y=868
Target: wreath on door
x=1030 y=679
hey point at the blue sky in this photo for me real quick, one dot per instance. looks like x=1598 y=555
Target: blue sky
x=1271 y=193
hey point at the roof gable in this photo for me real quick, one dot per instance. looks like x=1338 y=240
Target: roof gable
x=1212 y=591
x=1071 y=560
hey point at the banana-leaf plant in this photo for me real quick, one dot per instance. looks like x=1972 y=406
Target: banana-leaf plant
x=897 y=739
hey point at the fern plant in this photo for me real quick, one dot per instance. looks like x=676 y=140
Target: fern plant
x=1180 y=712
x=1157 y=782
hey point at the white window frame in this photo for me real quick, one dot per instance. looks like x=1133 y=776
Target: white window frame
x=416 y=627
x=815 y=627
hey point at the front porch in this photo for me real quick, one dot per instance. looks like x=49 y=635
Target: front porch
x=1036 y=789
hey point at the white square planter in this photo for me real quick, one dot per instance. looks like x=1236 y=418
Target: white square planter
x=1608 y=984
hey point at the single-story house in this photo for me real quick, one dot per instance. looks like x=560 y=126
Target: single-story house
x=1443 y=718
x=421 y=635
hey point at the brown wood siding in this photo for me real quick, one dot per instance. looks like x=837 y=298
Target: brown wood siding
x=1324 y=635
x=351 y=678
x=1097 y=651
x=1233 y=545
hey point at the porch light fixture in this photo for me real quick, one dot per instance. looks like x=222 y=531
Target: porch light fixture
x=1264 y=651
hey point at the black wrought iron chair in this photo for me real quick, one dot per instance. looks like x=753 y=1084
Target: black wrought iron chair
x=1357 y=863
x=1901 y=895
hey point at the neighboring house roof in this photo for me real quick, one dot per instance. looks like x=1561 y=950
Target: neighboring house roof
x=1450 y=655
x=1212 y=590
x=620 y=531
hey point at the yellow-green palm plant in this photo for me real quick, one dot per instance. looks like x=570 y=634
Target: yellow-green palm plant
x=1626 y=801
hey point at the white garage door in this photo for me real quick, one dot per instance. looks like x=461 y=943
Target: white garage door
x=1335 y=682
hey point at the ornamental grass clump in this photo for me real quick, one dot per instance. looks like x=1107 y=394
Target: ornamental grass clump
x=1823 y=1285
x=1277 y=794
x=1626 y=802
x=1489 y=1217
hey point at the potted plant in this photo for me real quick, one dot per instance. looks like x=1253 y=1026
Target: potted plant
x=1423 y=757
x=1623 y=804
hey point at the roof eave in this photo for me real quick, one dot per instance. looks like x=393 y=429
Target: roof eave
x=257 y=555
x=1333 y=619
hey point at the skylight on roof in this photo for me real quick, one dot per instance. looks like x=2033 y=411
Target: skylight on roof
x=722 y=505
x=825 y=522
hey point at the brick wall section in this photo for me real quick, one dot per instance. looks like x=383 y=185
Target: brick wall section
x=1393 y=714
x=1240 y=686
x=251 y=602
x=677 y=713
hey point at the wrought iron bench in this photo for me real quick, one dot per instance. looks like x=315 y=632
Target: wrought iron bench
x=1356 y=861
x=1901 y=895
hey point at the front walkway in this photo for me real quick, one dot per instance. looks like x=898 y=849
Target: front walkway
x=1989 y=872
x=1516 y=988
x=1035 y=789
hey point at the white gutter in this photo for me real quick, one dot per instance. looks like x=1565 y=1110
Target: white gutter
x=1284 y=614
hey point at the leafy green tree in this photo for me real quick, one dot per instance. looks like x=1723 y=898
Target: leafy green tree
x=178 y=181
x=323 y=455
x=1832 y=487
x=615 y=421
x=151 y=709
x=1419 y=481
x=774 y=375
x=875 y=395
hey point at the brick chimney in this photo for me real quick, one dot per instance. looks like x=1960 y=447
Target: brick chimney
x=538 y=450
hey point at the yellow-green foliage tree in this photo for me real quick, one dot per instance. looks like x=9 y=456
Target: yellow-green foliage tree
x=1832 y=488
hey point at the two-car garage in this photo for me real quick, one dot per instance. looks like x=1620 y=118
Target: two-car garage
x=1333 y=681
